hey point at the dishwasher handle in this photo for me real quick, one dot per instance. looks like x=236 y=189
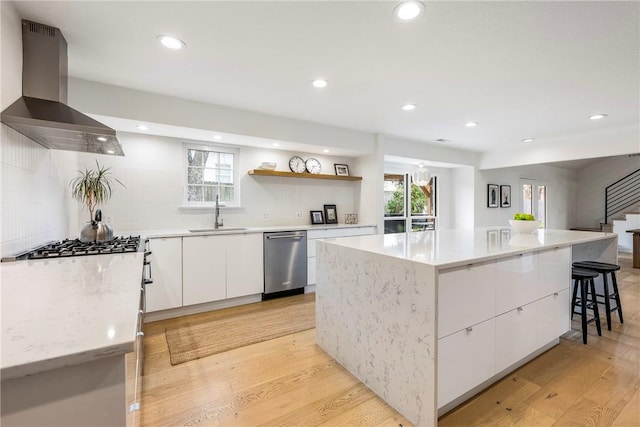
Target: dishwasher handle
x=286 y=236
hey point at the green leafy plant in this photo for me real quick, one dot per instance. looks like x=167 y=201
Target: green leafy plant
x=93 y=187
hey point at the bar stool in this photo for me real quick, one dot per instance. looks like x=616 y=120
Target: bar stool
x=583 y=279
x=604 y=269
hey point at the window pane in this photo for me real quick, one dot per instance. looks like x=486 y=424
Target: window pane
x=211 y=159
x=194 y=175
x=225 y=176
x=226 y=194
x=526 y=198
x=423 y=224
x=210 y=193
x=210 y=176
x=394 y=226
x=194 y=193
x=542 y=205
x=393 y=195
x=194 y=158
x=226 y=161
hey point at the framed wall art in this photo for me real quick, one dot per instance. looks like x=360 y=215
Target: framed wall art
x=330 y=214
x=492 y=195
x=317 y=217
x=341 y=170
x=505 y=196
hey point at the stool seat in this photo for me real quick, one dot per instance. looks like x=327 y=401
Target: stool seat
x=581 y=273
x=600 y=267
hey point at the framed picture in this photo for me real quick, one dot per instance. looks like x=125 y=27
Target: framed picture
x=341 y=170
x=317 y=217
x=351 y=218
x=492 y=195
x=330 y=214
x=505 y=196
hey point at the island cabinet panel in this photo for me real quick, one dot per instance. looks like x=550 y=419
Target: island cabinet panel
x=555 y=316
x=555 y=271
x=166 y=270
x=465 y=360
x=466 y=296
x=516 y=335
x=245 y=261
x=203 y=269
x=516 y=281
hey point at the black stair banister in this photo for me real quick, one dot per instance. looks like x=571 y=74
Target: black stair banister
x=622 y=194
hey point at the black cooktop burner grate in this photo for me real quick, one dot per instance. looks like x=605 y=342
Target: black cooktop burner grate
x=69 y=247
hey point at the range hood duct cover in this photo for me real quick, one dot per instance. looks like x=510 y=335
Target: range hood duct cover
x=41 y=113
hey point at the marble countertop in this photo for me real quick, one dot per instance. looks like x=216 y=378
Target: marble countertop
x=152 y=234
x=63 y=312
x=451 y=248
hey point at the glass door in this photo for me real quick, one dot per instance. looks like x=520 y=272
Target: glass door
x=407 y=206
x=534 y=200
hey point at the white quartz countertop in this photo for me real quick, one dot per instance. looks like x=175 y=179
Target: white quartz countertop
x=63 y=312
x=451 y=248
x=152 y=234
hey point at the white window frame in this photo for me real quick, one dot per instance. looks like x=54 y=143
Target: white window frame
x=236 y=181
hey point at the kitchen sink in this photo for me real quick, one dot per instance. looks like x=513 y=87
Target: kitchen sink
x=211 y=230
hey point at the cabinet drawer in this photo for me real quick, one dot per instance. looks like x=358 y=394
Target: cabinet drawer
x=465 y=360
x=555 y=316
x=516 y=282
x=556 y=274
x=466 y=296
x=516 y=335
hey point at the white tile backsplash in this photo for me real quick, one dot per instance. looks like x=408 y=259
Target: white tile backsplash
x=35 y=201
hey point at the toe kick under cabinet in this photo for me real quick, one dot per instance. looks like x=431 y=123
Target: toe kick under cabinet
x=493 y=315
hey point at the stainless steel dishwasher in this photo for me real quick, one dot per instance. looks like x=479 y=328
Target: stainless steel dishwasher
x=285 y=263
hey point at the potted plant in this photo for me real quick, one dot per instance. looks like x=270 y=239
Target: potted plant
x=93 y=188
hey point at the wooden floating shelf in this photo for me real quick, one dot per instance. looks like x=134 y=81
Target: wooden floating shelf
x=263 y=172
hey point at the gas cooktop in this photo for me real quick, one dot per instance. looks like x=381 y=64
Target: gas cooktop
x=74 y=247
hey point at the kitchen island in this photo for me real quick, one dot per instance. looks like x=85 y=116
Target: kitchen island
x=68 y=326
x=428 y=319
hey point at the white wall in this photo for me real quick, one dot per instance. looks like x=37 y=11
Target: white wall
x=153 y=174
x=592 y=182
x=462 y=197
x=561 y=193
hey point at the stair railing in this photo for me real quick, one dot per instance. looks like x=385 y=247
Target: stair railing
x=622 y=194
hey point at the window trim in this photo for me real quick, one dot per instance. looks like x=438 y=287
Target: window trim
x=186 y=146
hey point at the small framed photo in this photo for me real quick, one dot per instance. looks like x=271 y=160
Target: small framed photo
x=330 y=214
x=492 y=195
x=341 y=170
x=505 y=196
x=317 y=217
x=351 y=218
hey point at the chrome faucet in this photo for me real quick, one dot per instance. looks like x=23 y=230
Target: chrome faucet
x=217 y=220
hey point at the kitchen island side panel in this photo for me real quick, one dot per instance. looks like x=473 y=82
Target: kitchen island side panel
x=376 y=315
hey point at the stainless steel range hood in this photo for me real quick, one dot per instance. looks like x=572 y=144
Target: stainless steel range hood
x=41 y=113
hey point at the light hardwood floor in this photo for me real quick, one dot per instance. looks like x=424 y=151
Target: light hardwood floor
x=290 y=381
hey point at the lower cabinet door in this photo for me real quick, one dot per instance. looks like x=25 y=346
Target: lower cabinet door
x=555 y=316
x=245 y=261
x=204 y=271
x=465 y=359
x=166 y=271
x=516 y=335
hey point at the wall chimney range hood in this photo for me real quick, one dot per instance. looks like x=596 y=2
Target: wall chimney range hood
x=41 y=113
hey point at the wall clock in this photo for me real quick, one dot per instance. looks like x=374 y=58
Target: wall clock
x=296 y=164
x=313 y=166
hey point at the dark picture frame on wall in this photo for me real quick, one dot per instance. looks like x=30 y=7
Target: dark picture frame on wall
x=317 y=217
x=330 y=214
x=505 y=196
x=493 y=194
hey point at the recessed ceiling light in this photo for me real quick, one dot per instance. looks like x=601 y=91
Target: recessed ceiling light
x=171 y=42
x=528 y=140
x=102 y=139
x=597 y=116
x=471 y=124
x=142 y=127
x=217 y=137
x=110 y=151
x=319 y=83
x=275 y=144
x=408 y=10
x=326 y=150
x=409 y=107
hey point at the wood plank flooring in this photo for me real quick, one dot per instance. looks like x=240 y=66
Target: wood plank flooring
x=290 y=381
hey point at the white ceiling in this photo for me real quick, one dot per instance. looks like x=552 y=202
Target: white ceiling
x=521 y=69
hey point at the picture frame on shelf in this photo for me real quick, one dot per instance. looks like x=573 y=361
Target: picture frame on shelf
x=505 y=196
x=330 y=214
x=351 y=218
x=317 y=217
x=341 y=170
x=493 y=195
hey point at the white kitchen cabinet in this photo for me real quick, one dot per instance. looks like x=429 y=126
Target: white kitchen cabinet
x=516 y=281
x=555 y=276
x=465 y=360
x=466 y=296
x=204 y=269
x=516 y=335
x=554 y=316
x=166 y=267
x=312 y=235
x=244 y=264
